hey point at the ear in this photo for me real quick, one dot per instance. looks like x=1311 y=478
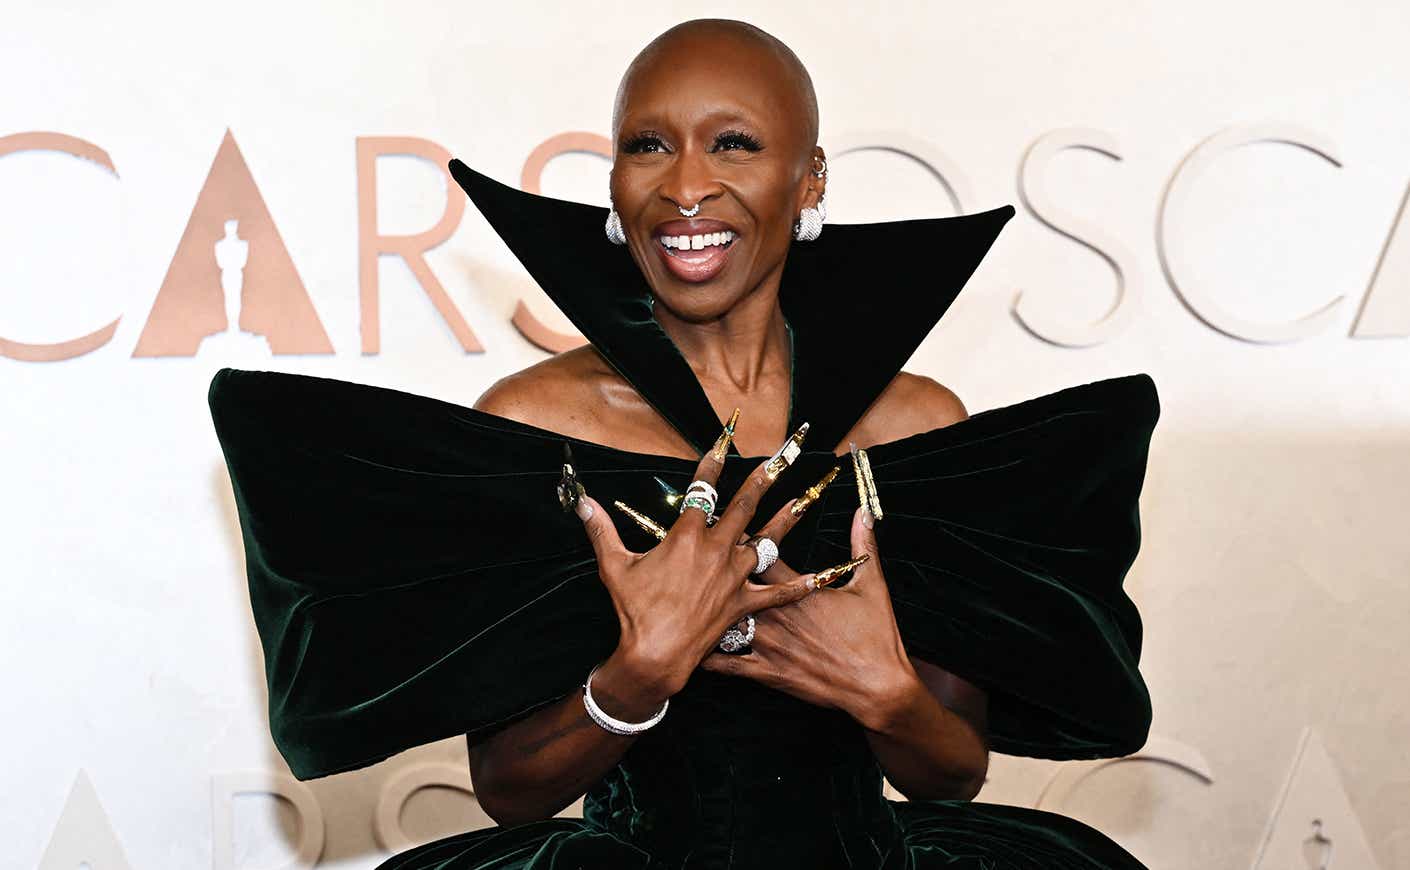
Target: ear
x=812 y=185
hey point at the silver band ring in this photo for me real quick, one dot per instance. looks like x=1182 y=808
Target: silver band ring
x=766 y=551
x=704 y=488
x=735 y=640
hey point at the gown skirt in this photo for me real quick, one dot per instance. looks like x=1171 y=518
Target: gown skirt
x=751 y=792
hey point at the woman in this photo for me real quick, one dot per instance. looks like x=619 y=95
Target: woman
x=740 y=154
x=996 y=620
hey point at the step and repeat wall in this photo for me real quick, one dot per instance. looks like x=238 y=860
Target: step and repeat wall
x=1210 y=192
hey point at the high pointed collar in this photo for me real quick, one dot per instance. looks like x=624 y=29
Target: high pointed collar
x=859 y=300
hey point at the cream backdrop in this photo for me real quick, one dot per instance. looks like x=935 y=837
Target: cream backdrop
x=1254 y=155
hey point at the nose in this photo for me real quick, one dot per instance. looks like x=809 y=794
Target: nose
x=689 y=180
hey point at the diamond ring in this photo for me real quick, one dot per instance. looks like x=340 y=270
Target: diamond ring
x=735 y=640
x=766 y=553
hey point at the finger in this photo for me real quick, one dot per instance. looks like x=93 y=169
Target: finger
x=744 y=556
x=708 y=469
x=781 y=523
x=779 y=572
x=863 y=532
x=607 y=546
x=757 y=597
x=863 y=539
x=788 y=516
x=735 y=665
x=745 y=559
x=751 y=492
x=778 y=525
x=832 y=576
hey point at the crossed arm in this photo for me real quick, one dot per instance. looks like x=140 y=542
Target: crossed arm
x=927 y=727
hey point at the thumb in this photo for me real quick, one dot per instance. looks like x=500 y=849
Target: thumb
x=602 y=534
x=758 y=597
x=863 y=539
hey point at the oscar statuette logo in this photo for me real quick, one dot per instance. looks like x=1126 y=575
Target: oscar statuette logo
x=231 y=284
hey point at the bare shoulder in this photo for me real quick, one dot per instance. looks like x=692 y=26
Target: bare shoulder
x=934 y=403
x=577 y=393
x=909 y=405
x=557 y=393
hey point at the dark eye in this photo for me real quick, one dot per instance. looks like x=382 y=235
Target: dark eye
x=642 y=143
x=730 y=139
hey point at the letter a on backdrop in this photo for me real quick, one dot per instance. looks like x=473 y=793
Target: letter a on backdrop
x=191 y=302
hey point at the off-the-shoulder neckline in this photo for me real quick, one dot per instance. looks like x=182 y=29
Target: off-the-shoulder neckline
x=858 y=307
x=1092 y=397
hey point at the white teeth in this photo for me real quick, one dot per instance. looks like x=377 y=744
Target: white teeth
x=698 y=241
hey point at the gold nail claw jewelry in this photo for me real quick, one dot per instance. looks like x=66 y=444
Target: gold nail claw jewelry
x=812 y=493
x=569 y=488
x=721 y=448
x=866 y=487
x=642 y=520
x=826 y=576
x=784 y=456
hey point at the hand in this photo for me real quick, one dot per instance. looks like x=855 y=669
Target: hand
x=837 y=648
x=674 y=601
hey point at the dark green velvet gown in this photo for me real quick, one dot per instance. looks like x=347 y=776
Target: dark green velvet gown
x=413 y=577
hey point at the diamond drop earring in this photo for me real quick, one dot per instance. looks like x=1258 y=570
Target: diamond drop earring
x=615 y=235
x=810 y=223
x=810 y=220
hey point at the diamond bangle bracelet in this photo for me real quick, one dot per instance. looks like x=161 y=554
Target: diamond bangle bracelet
x=608 y=723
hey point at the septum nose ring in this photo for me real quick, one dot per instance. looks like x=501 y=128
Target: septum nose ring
x=690 y=212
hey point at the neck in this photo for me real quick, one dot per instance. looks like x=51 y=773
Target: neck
x=737 y=352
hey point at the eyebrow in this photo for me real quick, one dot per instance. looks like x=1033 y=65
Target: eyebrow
x=712 y=117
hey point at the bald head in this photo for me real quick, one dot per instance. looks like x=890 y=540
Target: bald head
x=727 y=39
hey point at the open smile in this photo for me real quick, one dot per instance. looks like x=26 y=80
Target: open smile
x=694 y=257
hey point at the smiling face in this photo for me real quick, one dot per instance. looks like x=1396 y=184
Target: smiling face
x=718 y=114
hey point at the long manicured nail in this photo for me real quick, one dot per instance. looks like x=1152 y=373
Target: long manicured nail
x=721 y=448
x=812 y=493
x=866 y=487
x=827 y=575
x=867 y=519
x=583 y=508
x=784 y=456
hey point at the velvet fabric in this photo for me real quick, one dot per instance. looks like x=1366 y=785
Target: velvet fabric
x=413 y=577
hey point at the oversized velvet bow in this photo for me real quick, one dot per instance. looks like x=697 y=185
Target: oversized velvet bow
x=413 y=577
